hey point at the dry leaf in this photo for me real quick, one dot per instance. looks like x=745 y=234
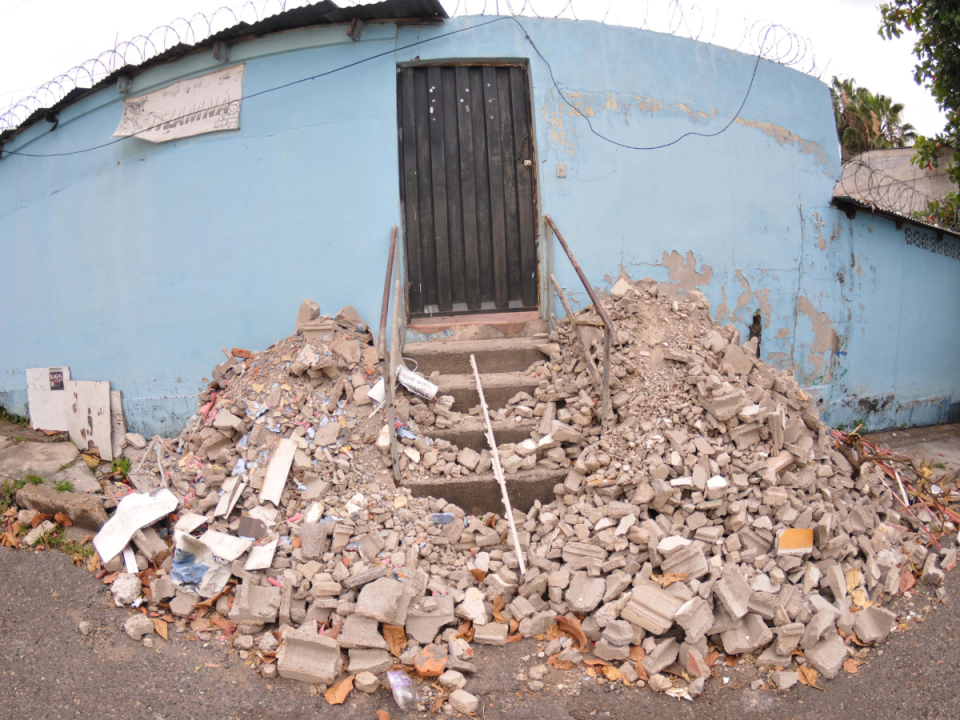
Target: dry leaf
x=480 y=575
x=338 y=693
x=907 y=580
x=852 y=665
x=296 y=542
x=211 y=665
x=637 y=653
x=10 y=513
x=498 y=603
x=668 y=579
x=161 y=627
x=559 y=664
x=514 y=625
x=498 y=617
x=383 y=715
x=854 y=578
x=711 y=658
x=594 y=661
x=732 y=660
x=515 y=638
x=62 y=520
x=335 y=631
x=553 y=632
x=808 y=676
x=613 y=674
x=39 y=518
x=856 y=641
x=9 y=540
x=396 y=638
x=641 y=671
x=108 y=579
x=571 y=626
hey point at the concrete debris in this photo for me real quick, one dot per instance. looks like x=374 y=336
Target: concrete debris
x=717 y=506
x=137 y=625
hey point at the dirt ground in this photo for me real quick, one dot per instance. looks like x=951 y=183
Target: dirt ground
x=49 y=670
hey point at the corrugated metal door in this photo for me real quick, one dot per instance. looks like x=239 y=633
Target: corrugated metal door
x=467 y=185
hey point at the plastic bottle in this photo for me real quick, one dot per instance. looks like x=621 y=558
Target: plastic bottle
x=404 y=693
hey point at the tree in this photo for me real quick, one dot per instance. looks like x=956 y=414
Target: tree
x=937 y=49
x=867 y=121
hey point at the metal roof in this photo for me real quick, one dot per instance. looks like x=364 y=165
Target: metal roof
x=324 y=12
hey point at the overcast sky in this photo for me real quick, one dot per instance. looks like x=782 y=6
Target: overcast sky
x=44 y=38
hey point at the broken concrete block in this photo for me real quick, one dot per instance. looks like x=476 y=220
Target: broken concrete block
x=182 y=605
x=491 y=634
x=361 y=632
x=385 y=600
x=652 y=609
x=537 y=624
x=83 y=510
x=423 y=624
x=255 y=605
x=366 y=682
x=618 y=632
x=609 y=652
x=584 y=593
x=309 y=657
x=827 y=656
x=125 y=588
x=315 y=539
x=695 y=617
x=750 y=636
x=137 y=625
x=874 y=623
x=692 y=661
x=464 y=702
x=734 y=593
x=367 y=660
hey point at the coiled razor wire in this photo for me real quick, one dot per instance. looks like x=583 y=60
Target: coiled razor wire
x=878 y=189
x=769 y=41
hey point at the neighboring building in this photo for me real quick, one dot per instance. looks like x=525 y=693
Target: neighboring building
x=136 y=262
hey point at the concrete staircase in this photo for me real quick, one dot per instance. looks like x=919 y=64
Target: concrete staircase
x=502 y=364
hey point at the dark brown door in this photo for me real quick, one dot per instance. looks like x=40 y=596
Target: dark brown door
x=467 y=186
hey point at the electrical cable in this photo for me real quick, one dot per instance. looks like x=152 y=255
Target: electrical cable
x=415 y=44
x=638 y=147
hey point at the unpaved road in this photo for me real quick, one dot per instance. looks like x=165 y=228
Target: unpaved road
x=49 y=670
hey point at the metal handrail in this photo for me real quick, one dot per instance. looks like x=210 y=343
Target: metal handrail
x=583 y=278
x=609 y=331
x=388 y=360
x=382 y=338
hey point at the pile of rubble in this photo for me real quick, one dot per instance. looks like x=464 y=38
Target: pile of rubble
x=718 y=514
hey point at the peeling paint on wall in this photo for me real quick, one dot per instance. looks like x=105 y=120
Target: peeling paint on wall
x=826 y=343
x=683 y=273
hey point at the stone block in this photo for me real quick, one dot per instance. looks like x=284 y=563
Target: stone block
x=491 y=634
x=688 y=560
x=83 y=510
x=695 y=617
x=662 y=656
x=537 y=624
x=608 y=651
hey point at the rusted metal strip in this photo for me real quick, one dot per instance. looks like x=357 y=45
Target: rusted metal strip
x=583 y=278
x=382 y=339
x=576 y=328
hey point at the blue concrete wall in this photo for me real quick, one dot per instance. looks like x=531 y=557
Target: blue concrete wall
x=137 y=262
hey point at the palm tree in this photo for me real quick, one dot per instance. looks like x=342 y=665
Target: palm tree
x=867 y=121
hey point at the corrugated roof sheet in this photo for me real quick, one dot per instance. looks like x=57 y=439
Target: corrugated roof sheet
x=320 y=13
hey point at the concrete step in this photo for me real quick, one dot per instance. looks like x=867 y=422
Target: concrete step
x=477 y=326
x=478 y=494
x=493 y=356
x=498 y=388
x=471 y=432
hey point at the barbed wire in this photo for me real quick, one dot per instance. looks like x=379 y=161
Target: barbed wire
x=674 y=18
x=871 y=186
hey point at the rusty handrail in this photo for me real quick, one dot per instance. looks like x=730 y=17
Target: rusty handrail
x=583 y=278
x=382 y=338
x=609 y=331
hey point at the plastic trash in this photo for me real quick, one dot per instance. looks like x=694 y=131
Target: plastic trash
x=404 y=693
x=441 y=518
x=416 y=383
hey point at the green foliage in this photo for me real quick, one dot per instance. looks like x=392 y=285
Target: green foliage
x=121 y=465
x=33 y=480
x=63 y=486
x=940 y=466
x=867 y=121
x=937 y=49
x=7 y=416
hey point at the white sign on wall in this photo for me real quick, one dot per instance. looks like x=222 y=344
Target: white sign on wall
x=190 y=107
